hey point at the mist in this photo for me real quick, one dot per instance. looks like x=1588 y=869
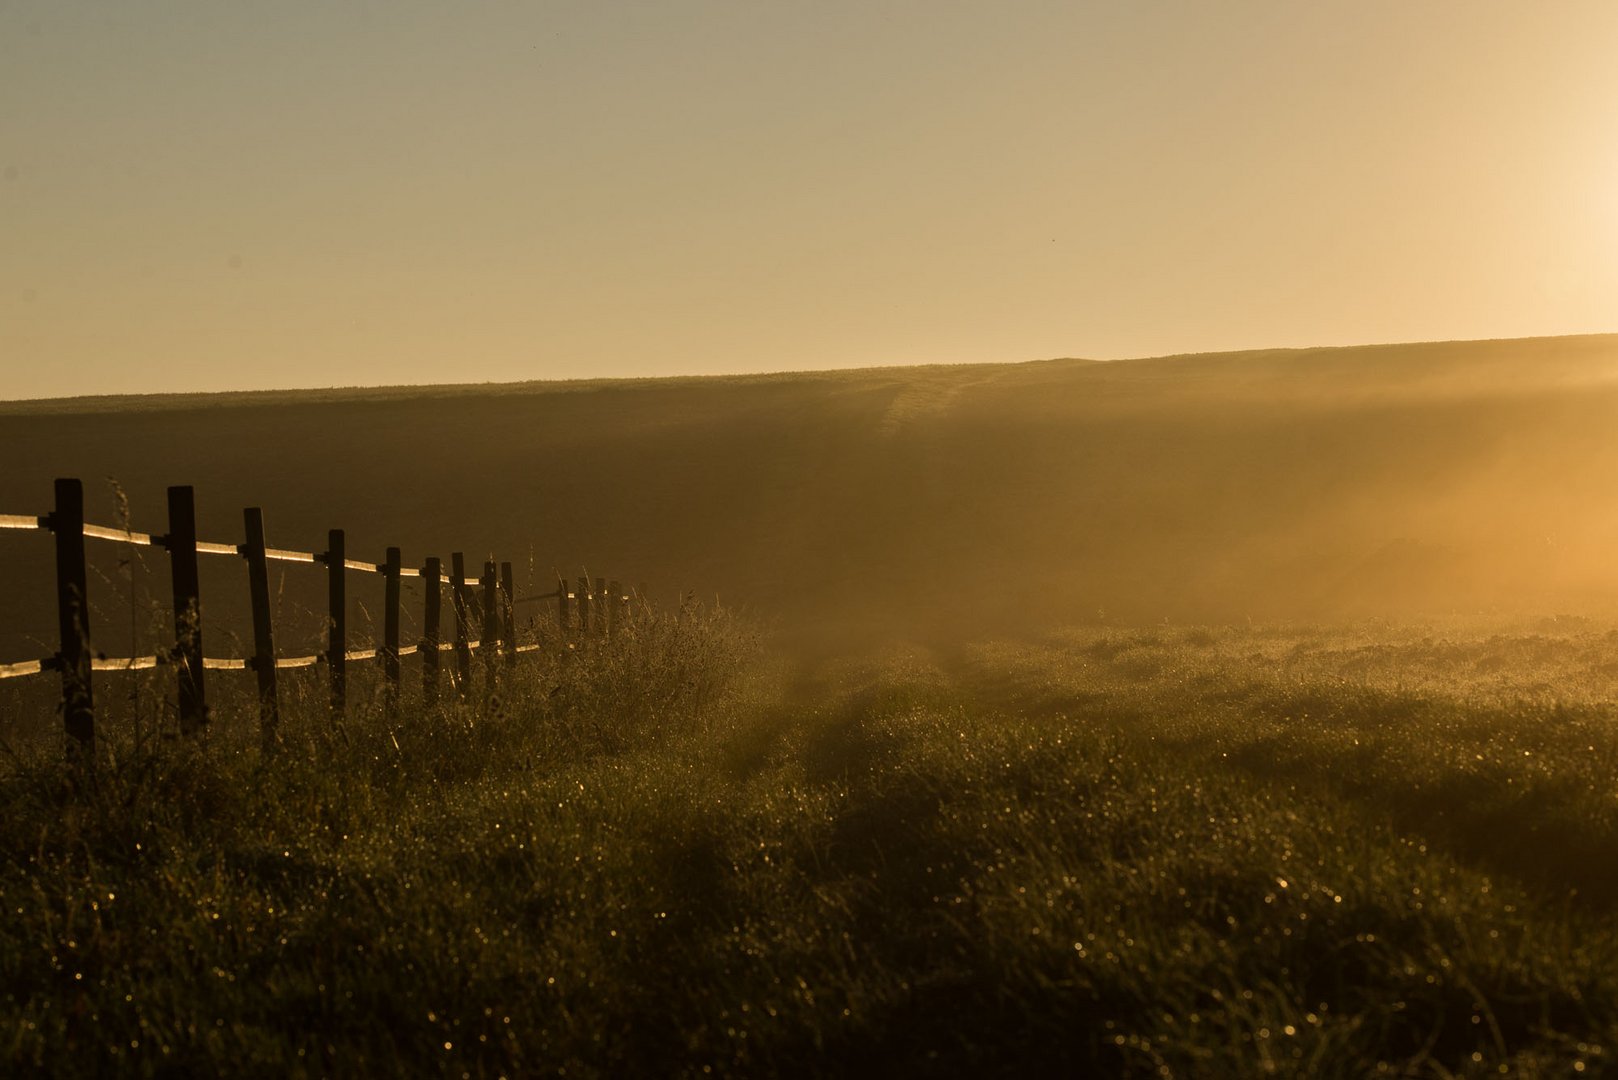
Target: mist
x=938 y=503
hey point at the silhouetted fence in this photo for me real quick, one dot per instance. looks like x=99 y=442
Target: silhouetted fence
x=486 y=605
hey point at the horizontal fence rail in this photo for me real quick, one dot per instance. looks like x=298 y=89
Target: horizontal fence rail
x=485 y=604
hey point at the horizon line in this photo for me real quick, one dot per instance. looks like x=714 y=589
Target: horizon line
x=767 y=373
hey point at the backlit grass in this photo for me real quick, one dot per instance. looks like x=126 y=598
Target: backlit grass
x=1170 y=852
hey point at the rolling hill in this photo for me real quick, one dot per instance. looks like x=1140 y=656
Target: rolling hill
x=934 y=502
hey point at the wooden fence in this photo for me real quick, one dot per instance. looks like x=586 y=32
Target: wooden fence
x=485 y=606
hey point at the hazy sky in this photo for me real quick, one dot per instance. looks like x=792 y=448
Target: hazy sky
x=211 y=196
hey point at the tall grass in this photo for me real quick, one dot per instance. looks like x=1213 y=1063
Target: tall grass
x=676 y=856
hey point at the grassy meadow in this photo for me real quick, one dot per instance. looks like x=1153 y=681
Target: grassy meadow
x=1233 y=715
x=1179 y=852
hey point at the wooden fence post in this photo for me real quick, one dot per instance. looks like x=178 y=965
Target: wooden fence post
x=583 y=598
x=73 y=620
x=601 y=606
x=263 y=663
x=463 y=654
x=181 y=542
x=430 y=575
x=337 y=628
x=508 y=614
x=390 y=628
x=615 y=605
x=561 y=610
x=491 y=625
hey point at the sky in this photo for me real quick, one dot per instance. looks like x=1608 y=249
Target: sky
x=205 y=196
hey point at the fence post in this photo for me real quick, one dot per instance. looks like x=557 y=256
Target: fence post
x=430 y=575
x=337 y=608
x=615 y=605
x=508 y=614
x=258 y=585
x=491 y=625
x=601 y=606
x=390 y=628
x=73 y=619
x=181 y=542
x=583 y=597
x=561 y=610
x=463 y=654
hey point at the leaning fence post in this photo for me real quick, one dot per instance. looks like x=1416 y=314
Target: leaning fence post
x=263 y=662
x=430 y=575
x=73 y=618
x=491 y=624
x=463 y=653
x=181 y=542
x=390 y=627
x=601 y=606
x=508 y=615
x=337 y=608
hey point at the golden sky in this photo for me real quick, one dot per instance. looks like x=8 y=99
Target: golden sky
x=214 y=196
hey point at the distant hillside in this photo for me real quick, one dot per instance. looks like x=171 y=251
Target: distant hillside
x=946 y=500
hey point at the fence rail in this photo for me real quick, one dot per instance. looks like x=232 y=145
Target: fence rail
x=484 y=605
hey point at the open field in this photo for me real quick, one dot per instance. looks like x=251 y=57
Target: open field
x=1174 y=852
x=602 y=540
x=1221 y=715
x=956 y=502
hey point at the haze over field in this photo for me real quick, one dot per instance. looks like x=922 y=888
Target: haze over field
x=937 y=502
x=1234 y=695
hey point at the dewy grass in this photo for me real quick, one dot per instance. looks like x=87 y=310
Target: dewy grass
x=1138 y=854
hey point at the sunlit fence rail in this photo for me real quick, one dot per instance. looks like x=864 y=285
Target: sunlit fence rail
x=484 y=607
